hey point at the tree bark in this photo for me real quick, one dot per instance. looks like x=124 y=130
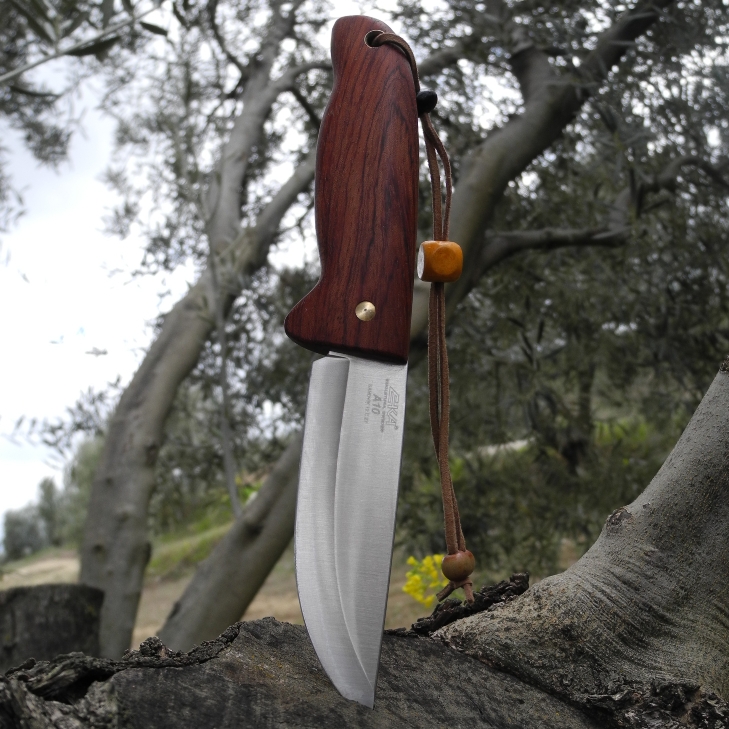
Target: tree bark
x=649 y=602
x=45 y=620
x=266 y=674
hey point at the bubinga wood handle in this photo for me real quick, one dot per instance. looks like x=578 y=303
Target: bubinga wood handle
x=366 y=203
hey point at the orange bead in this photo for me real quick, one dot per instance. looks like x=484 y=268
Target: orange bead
x=456 y=567
x=440 y=261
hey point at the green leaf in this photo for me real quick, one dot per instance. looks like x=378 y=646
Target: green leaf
x=152 y=28
x=94 y=49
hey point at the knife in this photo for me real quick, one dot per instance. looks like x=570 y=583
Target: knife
x=358 y=315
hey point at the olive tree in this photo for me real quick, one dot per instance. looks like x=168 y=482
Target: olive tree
x=607 y=121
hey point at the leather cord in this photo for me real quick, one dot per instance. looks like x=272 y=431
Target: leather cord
x=438 y=374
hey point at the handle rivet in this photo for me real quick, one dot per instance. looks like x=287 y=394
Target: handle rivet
x=365 y=311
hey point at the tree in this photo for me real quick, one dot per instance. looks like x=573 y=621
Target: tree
x=33 y=34
x=634 y=634
x=250 y=82
x=22 y=533
x=483 y=177
x=35 y=526
x=49 y=509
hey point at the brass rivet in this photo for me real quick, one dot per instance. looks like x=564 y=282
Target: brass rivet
x=365 y=310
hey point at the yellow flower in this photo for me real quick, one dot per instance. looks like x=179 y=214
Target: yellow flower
x=424 y=579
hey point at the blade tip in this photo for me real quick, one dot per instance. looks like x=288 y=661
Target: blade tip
x=352 y=692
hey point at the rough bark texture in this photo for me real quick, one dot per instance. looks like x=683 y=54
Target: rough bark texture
x=266 y=674
x=449 y=611
x=46 y=620
x=648 y=606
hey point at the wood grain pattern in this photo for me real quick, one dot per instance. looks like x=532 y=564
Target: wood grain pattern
x=366 y=202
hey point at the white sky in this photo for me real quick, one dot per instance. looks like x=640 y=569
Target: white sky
x=60 y=299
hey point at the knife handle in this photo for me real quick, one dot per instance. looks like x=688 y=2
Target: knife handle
x=366 y=203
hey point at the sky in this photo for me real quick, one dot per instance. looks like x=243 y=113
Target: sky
x=66 y=291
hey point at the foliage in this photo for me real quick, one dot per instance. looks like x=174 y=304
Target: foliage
x=23 y=533
x=175 y=557
x=74 y=500
x=57 y=517
x=49 y=499
x=38 y=525
x=520 y=503
x=424 y=579
x=36 y=31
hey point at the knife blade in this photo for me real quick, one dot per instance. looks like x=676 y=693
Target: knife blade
x=358 y=315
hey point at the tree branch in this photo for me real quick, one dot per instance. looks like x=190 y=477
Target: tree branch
x=10 y=75
x=500 y=245
x=441 y=59
x=214 y=597
x=647 y=604
x=223 y=198
x=116 y=549
x=244 y=68
x=307 y=107
x=550 y=104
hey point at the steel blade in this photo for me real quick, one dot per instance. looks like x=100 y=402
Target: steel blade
x=368 y=472
x=316 y=574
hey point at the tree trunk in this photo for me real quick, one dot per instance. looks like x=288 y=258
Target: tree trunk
x=116 y=547
x=635 y=634
x=266 y=674
x=649 y=602
x=239 y=565
x=45 y=620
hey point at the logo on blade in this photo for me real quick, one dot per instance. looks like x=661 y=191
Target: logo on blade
x=390 y=407
x=386 y=407
x=393 y=404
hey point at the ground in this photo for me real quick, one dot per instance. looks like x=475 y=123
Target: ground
x=171 y=569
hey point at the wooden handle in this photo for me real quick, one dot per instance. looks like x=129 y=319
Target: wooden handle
x=366 y=203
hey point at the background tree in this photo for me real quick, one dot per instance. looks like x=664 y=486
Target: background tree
x=22 y=533
x=604 y=146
